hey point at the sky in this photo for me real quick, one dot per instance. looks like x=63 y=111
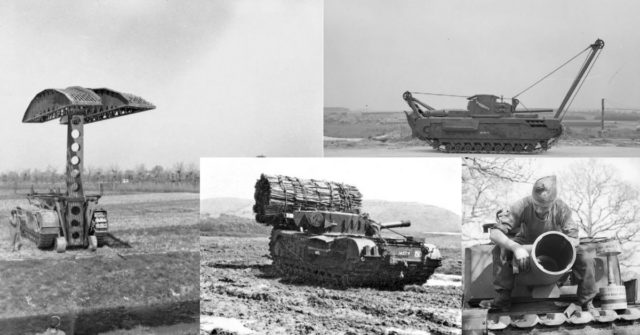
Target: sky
x=432 y=181
x=626 y=169
x=377 y=49
x=228 y=77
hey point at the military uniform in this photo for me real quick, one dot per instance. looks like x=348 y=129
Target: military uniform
x=522 y=225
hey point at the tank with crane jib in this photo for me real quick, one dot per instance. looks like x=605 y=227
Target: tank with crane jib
x=491 y=125
x=72 y=218
x=320 y=234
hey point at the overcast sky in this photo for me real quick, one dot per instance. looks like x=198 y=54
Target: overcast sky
x=433 y=181
x=229 y=78
x=626 y=169
x=377 y=49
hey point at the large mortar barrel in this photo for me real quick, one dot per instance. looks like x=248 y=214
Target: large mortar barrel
x=552 y=256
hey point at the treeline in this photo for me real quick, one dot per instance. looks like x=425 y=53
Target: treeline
x=179 y=177
x=619 y=116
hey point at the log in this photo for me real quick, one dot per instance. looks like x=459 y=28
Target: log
x=277 y=195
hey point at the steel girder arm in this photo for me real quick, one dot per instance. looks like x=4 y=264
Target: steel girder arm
x=595 y=47
x=415 y=103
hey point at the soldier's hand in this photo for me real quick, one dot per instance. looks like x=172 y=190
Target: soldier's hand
x=521 y=256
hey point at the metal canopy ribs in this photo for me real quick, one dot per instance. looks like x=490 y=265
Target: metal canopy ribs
x=91 y=104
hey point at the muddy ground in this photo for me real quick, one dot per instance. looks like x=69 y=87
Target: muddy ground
x=242 y=294
x=143 y=281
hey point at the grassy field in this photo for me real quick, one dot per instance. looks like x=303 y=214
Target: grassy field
x=150 y=259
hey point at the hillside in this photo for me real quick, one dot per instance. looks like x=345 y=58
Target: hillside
x=424 y=218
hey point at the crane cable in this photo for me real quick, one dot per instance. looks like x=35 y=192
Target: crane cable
x=552 y=72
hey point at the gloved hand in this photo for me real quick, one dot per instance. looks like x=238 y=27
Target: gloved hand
x=521 y=257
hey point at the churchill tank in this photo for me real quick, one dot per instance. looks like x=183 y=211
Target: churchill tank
x=492 y=125
x=319 y=234
x=71 y=218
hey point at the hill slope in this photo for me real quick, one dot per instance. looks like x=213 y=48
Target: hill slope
x=424 y=218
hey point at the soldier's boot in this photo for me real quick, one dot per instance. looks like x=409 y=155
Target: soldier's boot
x=501 y=302
x=588 y=307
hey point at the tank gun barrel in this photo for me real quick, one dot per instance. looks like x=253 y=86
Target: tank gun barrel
x=395 y=224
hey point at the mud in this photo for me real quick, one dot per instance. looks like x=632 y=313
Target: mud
x=99 y=320
x=239 y=285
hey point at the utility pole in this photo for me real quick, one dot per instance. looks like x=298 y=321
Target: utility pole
x=602 y=118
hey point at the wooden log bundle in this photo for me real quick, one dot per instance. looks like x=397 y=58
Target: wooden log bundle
x=276 y=195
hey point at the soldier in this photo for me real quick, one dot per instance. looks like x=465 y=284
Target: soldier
x=527 y=219
x=14 y=231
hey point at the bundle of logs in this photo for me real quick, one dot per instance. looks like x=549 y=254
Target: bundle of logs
x=276 y=195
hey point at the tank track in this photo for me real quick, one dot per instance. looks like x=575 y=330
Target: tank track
x=462 y=146
x=527 y=323
x=362 y=274
x=41 y=241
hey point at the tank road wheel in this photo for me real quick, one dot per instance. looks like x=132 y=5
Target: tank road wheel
x=60 y=244
x=457 y=147
x=477 y=147
x=467 y=147
x=498 y=147
x=487 y=147
x=508 y=147
x=447 y=147
x=518 y=148
x=529 y=147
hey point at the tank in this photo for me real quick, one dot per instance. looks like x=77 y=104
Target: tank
x=489 y=125
x=541 y=298
x=492 y=125
x=72 y=218
x=320 y=234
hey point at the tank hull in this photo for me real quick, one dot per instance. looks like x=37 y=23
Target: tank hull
x=549 y=314
x=513 y=134
x=43 y=226
x=352 y=260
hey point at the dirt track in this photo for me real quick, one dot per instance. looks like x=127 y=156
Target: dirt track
x=238 y=287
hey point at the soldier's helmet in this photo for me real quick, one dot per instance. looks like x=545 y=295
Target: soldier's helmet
x=54 y=322
x=544 y=191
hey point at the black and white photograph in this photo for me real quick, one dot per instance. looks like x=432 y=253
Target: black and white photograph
x=99 y=230
x=438 y=78
x=551 y=245
x=330 y=246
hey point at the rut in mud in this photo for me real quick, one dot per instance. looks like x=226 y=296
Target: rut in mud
x=238 y=282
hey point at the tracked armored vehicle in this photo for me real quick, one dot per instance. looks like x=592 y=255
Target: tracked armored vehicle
x=491 y=125
x=543 y=298
x=320 y=234
x=72 y=218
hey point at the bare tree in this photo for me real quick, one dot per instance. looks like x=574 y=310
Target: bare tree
x=604 y=206
x=484 y=179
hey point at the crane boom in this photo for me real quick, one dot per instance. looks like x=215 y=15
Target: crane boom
x=595 y=47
